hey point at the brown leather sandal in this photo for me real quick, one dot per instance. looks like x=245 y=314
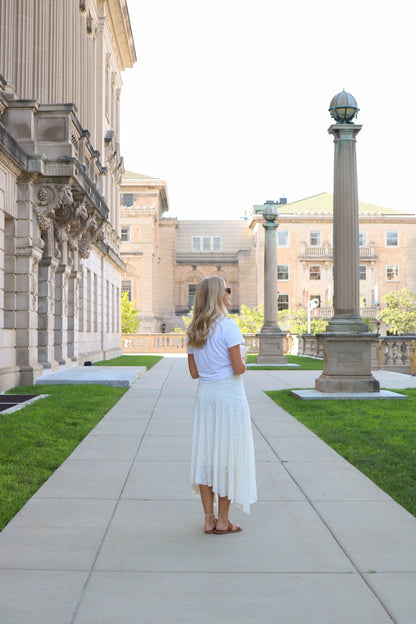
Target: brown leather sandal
x=232 y=528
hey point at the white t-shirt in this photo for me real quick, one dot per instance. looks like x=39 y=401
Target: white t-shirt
x=213 y=360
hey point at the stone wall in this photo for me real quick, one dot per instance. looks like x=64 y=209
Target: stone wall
x=60 y=172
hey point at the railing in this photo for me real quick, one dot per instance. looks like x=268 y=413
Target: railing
x=154 y=343
x=309 y=345
x=394 y=353
x=328 y=313
x=327 y=252
x=176 y=343
x=315 y=250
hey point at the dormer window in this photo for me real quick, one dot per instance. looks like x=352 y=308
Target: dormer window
x=206 y=243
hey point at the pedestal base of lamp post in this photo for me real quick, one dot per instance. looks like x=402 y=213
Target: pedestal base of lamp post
x=271 y=349
x=347 y=363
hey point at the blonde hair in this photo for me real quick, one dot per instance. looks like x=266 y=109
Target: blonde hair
x=208 y=308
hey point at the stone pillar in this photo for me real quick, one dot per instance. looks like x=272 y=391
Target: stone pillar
x=22 y=56
x=73 y=307
x=7 y=40
x=270 y=280
x=271 y=336
x=28 y=255
x=61 y=308
x=47 y=270
x=346 y=343
x=346 y=229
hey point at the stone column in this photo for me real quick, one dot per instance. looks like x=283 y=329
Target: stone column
x=28 y=255
x=61 y=308
x=346 y=228
x=73 y=307
x=47 y=270
x=7 y=40
x=271 y=336
x=346 y=343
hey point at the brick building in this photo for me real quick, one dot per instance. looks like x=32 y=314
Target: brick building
x=166 y=257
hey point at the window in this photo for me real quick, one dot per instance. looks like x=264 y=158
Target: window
x=282 y=302
x=362 y=238
x=282 y=238
x=392 y=239
x=392 y=273
x=126 y=287
x=125 y=234
x=314 y=272
x=363 y=272
x=314 y=239
x=206 y=243
x=127 y=199
x=282 y=271
x=191 y=295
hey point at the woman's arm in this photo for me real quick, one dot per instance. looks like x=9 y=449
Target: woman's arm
x=239 y=367
x=192 y=366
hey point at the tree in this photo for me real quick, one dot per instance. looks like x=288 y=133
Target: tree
x=250 y=320
x=129 y=321
x=186 y=318
x=298 y=322
x=400 y=311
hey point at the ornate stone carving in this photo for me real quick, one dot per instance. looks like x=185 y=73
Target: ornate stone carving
x=93 y=233
x=65 y=279
x=65 y=221
x=34 y=283
x=51 y=287
x=49 y=198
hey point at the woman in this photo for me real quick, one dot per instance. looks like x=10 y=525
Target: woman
x=222 y=448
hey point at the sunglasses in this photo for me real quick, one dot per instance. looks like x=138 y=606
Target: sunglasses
x=228 y=290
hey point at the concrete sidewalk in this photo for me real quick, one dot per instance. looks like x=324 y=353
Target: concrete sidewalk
x=115 y=535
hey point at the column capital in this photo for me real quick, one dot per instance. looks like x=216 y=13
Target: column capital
x=270 y=225
x=344 y=132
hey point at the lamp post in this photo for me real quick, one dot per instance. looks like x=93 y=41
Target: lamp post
x=271 y=336
x=346 y=342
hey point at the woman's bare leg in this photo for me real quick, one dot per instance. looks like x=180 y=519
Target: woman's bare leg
x=207 y=498
x=223 y=510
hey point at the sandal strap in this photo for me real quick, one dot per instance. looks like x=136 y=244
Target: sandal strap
x=209 y=515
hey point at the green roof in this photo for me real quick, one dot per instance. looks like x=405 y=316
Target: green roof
x=323 y=204
x=130 y=175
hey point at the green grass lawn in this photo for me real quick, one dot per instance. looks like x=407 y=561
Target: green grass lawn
x=35 y=440
x=132 y=360
x=304 y=363
x=378 y=437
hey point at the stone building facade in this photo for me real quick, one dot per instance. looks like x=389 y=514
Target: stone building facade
x=60 y=173
x=166 y=257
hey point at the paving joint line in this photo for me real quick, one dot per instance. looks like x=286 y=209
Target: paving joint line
x=118 y=500
x=284 y=464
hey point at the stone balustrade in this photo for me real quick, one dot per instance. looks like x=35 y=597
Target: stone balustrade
x=176 y=343
x=328 y=313
x=395 y=353
x=326 y=252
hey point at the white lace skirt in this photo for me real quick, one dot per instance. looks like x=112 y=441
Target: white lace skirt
x=222 y=446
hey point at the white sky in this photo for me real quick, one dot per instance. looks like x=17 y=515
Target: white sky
x=228 y=101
